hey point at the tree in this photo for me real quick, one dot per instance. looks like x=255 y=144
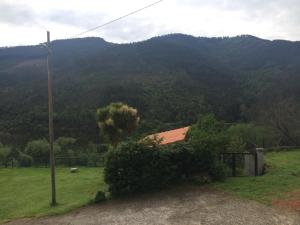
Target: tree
x=40 y=149
x=116 y=121
x=283 y=117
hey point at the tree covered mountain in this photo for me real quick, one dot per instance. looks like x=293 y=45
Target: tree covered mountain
x=170 y=79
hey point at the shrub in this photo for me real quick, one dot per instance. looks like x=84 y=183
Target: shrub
x=39 y=150
x=135 y=167
x=139 y=167
x=100 y=197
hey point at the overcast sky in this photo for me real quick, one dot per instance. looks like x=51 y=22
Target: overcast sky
x=25 y=21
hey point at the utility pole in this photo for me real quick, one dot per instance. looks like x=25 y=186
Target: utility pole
x=51 y=134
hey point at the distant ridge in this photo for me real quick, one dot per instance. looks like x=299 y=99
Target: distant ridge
x=170 y=79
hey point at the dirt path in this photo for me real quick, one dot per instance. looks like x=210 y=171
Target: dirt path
x=186 y=205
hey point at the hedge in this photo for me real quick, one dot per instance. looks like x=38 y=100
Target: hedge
x=135 y=167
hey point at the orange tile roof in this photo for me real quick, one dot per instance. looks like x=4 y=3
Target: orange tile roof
x=170 y=136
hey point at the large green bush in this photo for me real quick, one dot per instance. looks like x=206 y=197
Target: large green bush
x=143 y=166
x=135 y=167
x=138 y=167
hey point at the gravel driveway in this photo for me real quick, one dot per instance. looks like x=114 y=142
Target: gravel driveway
x=184 y=205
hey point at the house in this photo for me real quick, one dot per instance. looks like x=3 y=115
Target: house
x=171 y=136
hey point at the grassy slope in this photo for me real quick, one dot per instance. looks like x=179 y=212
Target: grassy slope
x=283 y=176
x=26 y=192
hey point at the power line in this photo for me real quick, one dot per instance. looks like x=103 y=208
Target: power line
x=114 y=20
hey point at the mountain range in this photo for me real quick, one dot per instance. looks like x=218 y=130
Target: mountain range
x=170 y=79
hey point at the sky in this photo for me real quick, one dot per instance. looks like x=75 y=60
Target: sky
x=24 y=22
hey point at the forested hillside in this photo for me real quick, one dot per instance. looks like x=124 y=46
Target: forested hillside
x=170 y=80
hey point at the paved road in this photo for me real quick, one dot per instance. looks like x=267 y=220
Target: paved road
x=183 y=206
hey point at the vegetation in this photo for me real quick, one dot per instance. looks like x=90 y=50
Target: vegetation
x=208 y=138
x=116 y=121
x=246 y=136
x=170 y=80
x=145 y=165
x=26 y=192
x=251 y=85
x=39 y=149
x=138 y=167
x=31 y=187
x=67 y=153
x=282 y=177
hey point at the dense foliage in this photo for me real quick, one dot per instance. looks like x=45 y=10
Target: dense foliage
x=170 y=80
x=138 y=167
x=143 y=166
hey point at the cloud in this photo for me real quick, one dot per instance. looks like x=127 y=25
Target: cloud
x=271 y=19
x=83 y=20
x=251 y=9
x=16 y=14
x=130 y=30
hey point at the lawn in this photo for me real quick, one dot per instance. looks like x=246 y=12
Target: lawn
x=281 y=179
x=26 y=192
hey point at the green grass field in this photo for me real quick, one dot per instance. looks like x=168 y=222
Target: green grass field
x=282 y=177
x=26 y=192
